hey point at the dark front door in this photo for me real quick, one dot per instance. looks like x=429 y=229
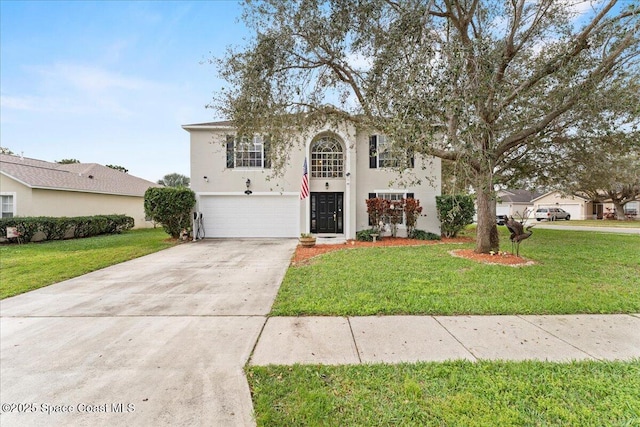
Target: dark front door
x=326 y=212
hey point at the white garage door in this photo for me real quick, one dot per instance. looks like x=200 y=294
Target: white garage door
x=503 y=209
x=573 y=209
x=250 y=216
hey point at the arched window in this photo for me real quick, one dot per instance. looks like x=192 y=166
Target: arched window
x=327 y=158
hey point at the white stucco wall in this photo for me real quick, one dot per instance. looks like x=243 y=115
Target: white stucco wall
x=208 y=159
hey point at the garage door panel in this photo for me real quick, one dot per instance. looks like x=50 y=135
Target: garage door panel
x=574 y=210
x=250 y=216
x=503 y=209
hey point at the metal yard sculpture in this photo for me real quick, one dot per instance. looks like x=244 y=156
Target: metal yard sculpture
x=518 y=233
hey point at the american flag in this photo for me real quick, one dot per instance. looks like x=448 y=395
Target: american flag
x=304 y=189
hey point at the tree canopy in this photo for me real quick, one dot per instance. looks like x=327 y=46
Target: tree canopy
x=118 y=168
x=486 y=84
x=602 y=169
x=67 y=161
x=174 y=180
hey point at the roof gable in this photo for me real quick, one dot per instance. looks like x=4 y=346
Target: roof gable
x=560 y=196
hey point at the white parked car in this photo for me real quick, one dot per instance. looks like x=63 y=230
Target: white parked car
x=552 y=214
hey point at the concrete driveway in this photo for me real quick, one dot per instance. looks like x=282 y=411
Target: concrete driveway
x=160 y=340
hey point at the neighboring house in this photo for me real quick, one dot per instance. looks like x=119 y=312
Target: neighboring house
x=632 y=209
x=516 y=203
x=578 y=207
x=238 y=196
x=30 y=187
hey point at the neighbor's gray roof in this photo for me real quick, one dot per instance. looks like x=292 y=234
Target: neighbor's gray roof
x=518 y=196
x=83 y=177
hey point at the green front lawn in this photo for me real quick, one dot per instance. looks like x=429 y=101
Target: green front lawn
x=34 y=265
x=575 y=272
x=593 y=223
x=457 y=393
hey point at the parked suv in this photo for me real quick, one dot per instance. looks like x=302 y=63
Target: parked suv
x=552 y=214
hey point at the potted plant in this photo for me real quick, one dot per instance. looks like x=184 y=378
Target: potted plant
x=307 y=240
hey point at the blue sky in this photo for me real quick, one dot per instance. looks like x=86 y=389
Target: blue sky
x=111 y=82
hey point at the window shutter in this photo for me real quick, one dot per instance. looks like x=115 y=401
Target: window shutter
x=371 y=196
x=230 y=161
x=373 y=149
x=410 y=196
x=266 y=152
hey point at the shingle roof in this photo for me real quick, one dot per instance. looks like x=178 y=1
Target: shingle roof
x=518 y=196
x=83 y=177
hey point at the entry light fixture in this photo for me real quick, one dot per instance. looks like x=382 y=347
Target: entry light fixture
x=206 y=179
x=248 y=184
x=326 y=185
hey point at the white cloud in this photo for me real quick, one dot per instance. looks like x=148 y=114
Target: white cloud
x=42 y=104
x=580 y=7
x=17 y=103
x=91 y=78
x=81 y=89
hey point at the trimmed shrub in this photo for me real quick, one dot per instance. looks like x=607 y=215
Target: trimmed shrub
x=454 y=212
x=54 y=228
x=412 y=211
x=423 y=235
x=376 y=208
x=27 y=227
x=366 y=235
x=57 y=228
x=170 y=207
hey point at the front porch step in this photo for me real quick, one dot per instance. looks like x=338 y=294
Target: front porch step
x=330 y=239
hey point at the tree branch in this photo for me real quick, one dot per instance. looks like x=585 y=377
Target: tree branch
x=559 y=60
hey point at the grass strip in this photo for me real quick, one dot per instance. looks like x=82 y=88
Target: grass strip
x=458 y=393
x=34 y=265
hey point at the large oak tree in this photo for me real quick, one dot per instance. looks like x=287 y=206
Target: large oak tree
x=477 y=82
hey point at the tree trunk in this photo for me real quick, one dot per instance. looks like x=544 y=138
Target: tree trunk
x=487 y=238
x=619 y=207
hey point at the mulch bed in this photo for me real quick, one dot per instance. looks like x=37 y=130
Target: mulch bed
x=502 y=258
x=302 y=255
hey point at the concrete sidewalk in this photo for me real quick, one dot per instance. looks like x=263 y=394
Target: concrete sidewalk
x=395 y=339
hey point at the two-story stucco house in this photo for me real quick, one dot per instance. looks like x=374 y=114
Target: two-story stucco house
x=238 y=196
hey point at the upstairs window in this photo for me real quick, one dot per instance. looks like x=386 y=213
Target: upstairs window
x=383 y=155
x=248 y=153
x=327 y=158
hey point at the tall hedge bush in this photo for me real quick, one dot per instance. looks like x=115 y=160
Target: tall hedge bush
x=454 y=212
x=170 y=207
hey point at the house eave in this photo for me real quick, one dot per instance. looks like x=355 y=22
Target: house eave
x=189 y=128
x=75 y=190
